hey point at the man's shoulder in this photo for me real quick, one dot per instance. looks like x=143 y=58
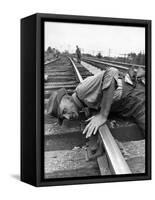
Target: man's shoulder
x=91 y=80
x=113 y=70
x=97 y=76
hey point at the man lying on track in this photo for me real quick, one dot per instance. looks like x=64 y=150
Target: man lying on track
x=102 y=93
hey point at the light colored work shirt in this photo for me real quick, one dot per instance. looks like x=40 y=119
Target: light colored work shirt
x=90 y=91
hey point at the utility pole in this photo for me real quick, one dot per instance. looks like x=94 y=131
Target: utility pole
x=124 y=55
x=109 y=52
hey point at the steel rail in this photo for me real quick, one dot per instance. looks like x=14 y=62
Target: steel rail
x=119 y=64
x=106 y=63
x=116 y=160
x=76 y=71
x=124 y=64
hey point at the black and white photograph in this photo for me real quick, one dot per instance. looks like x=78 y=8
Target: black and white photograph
x=94 y=100
x=77 y=98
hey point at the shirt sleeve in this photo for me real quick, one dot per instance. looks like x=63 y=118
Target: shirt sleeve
x=109 y=75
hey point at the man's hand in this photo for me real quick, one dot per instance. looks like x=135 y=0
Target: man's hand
x=107 y=97
x=94 y=123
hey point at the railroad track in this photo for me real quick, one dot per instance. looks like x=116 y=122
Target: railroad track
x=60 y=73
x=64 y=152
x=128 y=65
x=103 y=64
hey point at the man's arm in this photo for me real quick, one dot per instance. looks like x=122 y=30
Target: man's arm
x=98 y=120
x=107 y=99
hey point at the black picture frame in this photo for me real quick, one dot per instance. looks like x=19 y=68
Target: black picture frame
x=32 y=94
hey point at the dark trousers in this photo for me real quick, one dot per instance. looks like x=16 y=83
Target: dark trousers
x=132 y=104
x=79 y=59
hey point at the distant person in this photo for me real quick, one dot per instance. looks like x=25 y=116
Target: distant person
x=78 y=54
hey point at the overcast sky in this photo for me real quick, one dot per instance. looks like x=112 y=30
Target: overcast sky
x=113 y=40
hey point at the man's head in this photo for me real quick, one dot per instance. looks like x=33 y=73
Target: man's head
x=62 y=106
x=132 y=73
x=140 y=72
x=68 y=108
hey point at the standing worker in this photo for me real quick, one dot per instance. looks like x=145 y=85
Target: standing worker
x=78 y=53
